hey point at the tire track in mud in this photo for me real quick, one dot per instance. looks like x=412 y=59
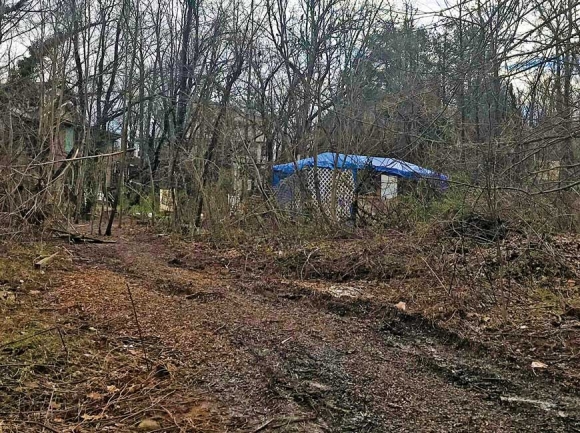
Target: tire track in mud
x=355 y=366
x=457 y=361
x=463 y=363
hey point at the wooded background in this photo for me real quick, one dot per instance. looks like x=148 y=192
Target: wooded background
x=201 y=97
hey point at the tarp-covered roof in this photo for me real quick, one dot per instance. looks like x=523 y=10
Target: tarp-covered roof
x=390 y=166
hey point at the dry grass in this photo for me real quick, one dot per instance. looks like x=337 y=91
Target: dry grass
x=58 y=372
x=74 y=359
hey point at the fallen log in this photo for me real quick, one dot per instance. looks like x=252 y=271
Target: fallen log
x=80 y=238
x=42 y=263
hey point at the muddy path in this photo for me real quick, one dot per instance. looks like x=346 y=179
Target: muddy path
x=276 y=355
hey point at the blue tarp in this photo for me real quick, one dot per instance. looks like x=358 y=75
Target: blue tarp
x=390 y=166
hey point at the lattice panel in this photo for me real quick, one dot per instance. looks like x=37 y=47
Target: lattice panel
x=341 y=181
x=298 y=191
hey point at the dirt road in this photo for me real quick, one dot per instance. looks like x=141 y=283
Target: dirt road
x=281 y=356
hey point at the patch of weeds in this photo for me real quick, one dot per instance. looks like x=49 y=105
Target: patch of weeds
x=547 y=297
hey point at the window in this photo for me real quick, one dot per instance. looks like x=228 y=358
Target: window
x=69 y=139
